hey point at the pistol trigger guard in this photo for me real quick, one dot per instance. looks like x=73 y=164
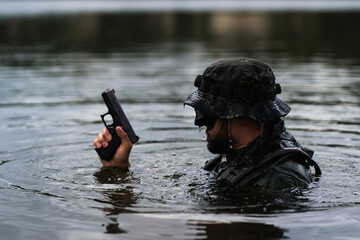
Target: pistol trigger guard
x=109 y=127
x=103 y=119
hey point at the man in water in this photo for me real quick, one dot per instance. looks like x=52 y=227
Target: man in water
x=236 y=101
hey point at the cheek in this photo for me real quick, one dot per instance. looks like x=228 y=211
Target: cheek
x=218 y=126
x=210 y=134
x=215 y=130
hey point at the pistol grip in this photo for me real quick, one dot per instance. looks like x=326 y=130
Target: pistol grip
x=108 y=153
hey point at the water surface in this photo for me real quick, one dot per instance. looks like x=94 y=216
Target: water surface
x=53 y=69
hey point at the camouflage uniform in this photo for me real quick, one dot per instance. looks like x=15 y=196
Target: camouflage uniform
x=246 y=88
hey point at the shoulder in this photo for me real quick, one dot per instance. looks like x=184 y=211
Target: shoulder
x=289 y=172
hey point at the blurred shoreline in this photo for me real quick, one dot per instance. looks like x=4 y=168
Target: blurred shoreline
x=35 y=7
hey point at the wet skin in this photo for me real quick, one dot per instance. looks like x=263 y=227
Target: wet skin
x=121 y=157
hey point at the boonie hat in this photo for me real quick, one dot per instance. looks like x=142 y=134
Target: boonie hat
x=238 y=88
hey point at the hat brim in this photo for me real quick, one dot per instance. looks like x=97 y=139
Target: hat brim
x=224 y=108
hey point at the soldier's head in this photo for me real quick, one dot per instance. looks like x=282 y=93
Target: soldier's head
x=236 y=88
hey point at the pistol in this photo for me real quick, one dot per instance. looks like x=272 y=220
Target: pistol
x=118 y=119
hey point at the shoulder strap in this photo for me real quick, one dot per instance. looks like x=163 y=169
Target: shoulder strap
x=274 y=156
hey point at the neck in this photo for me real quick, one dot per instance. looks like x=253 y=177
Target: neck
x=243 y=131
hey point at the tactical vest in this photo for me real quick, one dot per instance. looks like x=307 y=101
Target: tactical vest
x=235 y=171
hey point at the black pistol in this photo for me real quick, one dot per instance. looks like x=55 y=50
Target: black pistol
x=118 y=119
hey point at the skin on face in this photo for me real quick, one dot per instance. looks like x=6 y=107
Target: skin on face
x=218 y=137
x=241 y=131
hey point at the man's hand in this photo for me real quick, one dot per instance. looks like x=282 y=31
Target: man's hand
x=121 y=157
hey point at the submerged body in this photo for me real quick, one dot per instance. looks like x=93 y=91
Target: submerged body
x=273 y=161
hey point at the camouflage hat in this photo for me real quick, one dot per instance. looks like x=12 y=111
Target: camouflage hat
x=238 y=88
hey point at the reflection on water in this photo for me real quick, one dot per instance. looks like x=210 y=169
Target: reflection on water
x=54 y=68
x=302 y=34
x=217 y=230
x=120 y=192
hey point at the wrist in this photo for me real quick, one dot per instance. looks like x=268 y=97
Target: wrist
x=114 y=164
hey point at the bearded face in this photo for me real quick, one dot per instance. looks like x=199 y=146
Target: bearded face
x=218 y=138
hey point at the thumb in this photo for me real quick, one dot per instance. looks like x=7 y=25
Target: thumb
x=123 y=136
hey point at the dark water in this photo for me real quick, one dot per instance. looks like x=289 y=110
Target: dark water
x=53 y=68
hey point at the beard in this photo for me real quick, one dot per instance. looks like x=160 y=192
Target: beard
x=220 y=143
